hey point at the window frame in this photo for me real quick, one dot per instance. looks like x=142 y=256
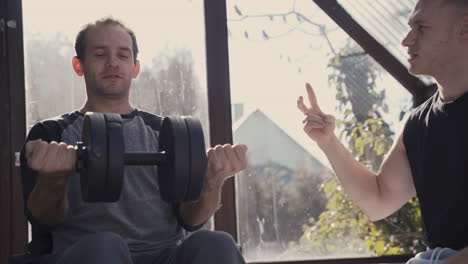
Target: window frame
x=13 y=224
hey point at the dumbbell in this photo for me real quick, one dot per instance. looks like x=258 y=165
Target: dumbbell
x=181 y=160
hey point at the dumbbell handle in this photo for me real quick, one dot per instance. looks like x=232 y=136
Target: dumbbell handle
x=145 y=158
x=130 y=158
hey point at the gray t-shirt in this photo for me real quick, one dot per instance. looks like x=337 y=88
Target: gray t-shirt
x=140 y=216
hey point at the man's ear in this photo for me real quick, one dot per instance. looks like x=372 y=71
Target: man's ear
x=136 y=71
x=77 y=66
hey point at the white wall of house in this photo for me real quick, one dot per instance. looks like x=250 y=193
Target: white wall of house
x=267 y=143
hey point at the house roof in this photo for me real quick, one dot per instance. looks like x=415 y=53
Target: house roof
x=253 y=118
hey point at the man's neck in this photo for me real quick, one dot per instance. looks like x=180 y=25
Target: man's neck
x=453 y=87
x=452 y=80
x=107 y=106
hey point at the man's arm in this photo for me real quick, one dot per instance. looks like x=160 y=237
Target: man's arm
x=54 y=163
x=378 y=195
x=198 y=212
x=48 y=201
x=223 y=163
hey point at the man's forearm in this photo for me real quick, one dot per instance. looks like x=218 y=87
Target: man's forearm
x=48 y=201
x=359 y=183
x=198 y=212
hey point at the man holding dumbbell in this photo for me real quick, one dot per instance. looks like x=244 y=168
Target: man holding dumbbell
x=140 y=227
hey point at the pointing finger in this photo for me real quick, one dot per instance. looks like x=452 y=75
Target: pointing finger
x=312 y=99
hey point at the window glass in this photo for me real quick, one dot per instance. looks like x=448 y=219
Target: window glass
x=171 y=40
x=290 y=206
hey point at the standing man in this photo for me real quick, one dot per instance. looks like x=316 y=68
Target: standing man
x=429 y=158
x=140 y=227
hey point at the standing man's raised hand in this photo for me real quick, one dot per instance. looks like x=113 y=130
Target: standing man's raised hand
x=318 y=125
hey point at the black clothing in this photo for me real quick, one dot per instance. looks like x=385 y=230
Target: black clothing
x=436 y=142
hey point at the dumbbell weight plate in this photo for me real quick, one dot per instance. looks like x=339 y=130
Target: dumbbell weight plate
x=93 y=176
x=173 y=176
x=198 y=159
x=115 y=157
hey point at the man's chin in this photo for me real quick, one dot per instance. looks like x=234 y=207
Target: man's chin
x=415 y=71
x=412 y=71
x=111 y=91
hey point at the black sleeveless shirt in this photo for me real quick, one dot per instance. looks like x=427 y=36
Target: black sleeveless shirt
x=436 y=142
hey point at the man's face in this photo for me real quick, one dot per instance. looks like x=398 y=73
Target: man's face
x=431 y=42
x=108 y=65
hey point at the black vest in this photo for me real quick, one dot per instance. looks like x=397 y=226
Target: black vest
x=436 y=142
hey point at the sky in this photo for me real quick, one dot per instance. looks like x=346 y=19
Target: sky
x=265 y=74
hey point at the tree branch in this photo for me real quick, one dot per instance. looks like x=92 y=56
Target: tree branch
x=300 y=17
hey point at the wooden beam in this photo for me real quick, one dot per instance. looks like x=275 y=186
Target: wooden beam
x=219 y=102
x=13 y=225
x=5 y=133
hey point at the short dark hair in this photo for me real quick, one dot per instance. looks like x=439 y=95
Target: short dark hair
x=80 y=43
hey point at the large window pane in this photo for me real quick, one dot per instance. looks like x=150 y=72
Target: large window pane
x=290 y=206
x=387 y=21
x=171 y=40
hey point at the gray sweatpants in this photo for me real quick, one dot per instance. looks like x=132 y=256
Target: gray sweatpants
x=202 y=247
x=432 y=256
